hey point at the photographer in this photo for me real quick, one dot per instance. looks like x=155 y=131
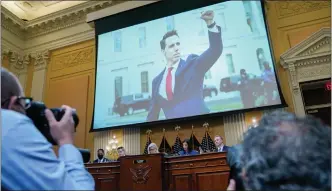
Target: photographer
x=28 y=160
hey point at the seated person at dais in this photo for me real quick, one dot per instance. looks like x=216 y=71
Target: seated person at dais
x=187 y=149
x=220 y=146
x=121 y=152
x=101 y=158
x=153 y=148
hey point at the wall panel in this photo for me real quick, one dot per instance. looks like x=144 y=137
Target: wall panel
x=70 y=81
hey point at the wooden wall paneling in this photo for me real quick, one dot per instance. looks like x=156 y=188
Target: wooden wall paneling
x=108 y=182
x=183 y=182
x=72 y=90
x=70 y=80
x=207 y=181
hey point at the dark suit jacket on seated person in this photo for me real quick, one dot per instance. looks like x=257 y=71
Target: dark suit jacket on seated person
x=224 y=149
x=193 y=152
x=103 y=160
x=188 y=88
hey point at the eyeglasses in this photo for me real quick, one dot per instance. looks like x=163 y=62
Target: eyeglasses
x=25 y=102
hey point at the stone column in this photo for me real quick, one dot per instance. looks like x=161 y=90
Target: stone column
x=41 y=60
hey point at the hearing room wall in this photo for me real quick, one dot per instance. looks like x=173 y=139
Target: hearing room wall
x=60 y=69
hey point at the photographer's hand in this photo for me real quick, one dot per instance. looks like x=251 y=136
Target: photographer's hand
x=62 y=131
x=231 y=185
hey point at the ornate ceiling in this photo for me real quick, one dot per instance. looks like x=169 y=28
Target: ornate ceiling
x=48 y=20
x=29 y=10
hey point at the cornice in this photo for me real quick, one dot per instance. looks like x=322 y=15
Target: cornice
x=52 y=22
x=6 y=13
x=12 y=23
x=307 y=47
x=62 y=42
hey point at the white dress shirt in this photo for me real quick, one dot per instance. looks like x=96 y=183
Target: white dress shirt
x=220 y=148
x=101 y=160
x=29 y=162
x=162 y=88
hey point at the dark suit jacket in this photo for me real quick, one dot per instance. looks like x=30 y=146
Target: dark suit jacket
x=188 y=90
x=105 y=160
x=224 y=149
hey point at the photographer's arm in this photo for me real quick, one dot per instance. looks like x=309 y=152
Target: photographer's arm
x=29 y=162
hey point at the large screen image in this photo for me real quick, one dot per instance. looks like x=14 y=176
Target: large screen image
x=208 y=60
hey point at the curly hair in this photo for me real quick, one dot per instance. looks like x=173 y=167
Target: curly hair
x=286 y=152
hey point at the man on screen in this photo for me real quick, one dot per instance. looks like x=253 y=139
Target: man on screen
x=178 y=89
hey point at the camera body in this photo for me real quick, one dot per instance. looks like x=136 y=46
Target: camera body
x=36 y=112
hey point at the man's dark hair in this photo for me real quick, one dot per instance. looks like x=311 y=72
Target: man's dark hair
x=101 y=150
x=286 y=152
x=120 y=148
x=9 y=86
x=168 y=34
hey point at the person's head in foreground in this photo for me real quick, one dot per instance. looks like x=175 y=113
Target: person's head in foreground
x=153 y=148
x=286 y=152
x=121 y=151
x=12 y=95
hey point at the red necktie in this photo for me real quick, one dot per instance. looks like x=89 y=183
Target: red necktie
x=169 y=89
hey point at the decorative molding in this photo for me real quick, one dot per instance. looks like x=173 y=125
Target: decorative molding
x=291 y=8
x=80 y=57
x=307 y=48
x=293 y=76
x=11 y=25
x=316 y=46
x=319 y=71
x=41 y=60
x=20 y=61
x=307 y=61
x=62 y=42
x=120 y=7
x=314 y=61
x=17 y=60
x=53 y=22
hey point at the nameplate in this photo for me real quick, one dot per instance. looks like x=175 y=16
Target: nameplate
x=139 y=161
